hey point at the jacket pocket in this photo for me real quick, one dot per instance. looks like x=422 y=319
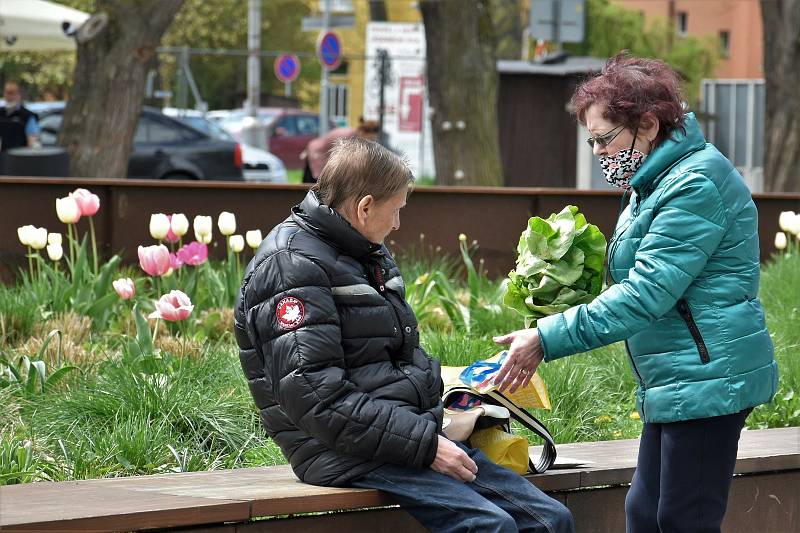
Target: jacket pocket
x=425 y=375
x=686 y=313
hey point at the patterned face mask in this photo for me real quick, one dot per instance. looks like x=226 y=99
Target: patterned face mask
x=618 y=169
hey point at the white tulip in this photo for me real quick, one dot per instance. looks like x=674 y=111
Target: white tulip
x=54 y=238
x=226 y=223
x=68 y=210
x=202 y=225
x=785 y=220
x=794 y=225
x=236 y=242
x=254 y=238
x=205 y=238
x=25 y=234
x=180 y=224
x=780 y=240
x=38 y=238
x=55 y=252
x=159 y=226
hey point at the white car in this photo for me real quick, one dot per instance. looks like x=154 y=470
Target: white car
x=257 y=164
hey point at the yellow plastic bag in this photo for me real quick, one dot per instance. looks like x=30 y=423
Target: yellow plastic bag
x=503 y=448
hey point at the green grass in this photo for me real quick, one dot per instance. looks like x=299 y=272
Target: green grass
x=187 y=407
x=295 y=175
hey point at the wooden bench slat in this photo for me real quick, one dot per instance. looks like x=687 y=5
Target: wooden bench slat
x=171 y=500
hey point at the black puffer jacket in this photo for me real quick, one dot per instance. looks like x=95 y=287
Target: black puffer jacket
x=331 y=351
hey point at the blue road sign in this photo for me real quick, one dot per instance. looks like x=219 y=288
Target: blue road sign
x=287 y=67
x=329 y=50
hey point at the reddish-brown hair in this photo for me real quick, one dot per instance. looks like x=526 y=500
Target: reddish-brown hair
x=628 y=87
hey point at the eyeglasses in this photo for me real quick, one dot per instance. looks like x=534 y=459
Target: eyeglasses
x=606 y=138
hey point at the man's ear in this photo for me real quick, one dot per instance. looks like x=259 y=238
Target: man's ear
x=364 y=207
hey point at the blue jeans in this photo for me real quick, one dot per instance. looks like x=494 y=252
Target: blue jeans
x=499 y=500
x=683 y=475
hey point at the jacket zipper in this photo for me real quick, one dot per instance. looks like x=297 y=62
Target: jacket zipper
x=638 y=375
x=686 y=314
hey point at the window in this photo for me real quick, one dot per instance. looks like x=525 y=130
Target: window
x=337 y=103
x=725 y=43
x=154 y=131
x=49 y=126
x=307 y=125
x=682 y=23
x=288 y=125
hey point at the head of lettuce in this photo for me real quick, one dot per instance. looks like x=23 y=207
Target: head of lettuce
x=559 y=265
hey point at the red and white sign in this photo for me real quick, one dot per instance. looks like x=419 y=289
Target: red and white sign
x=412 y=92
x=290 y=313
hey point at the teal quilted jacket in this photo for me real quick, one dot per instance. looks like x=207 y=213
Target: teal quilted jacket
x=685 y=260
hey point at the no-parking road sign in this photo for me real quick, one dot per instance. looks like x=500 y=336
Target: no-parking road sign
x=329 y=50
x=287 y=67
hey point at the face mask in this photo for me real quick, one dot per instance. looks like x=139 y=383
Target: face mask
x=618 y=169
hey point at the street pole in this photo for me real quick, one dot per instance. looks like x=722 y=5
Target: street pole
x=253 y=133
x=382 y=66
x=323 y=84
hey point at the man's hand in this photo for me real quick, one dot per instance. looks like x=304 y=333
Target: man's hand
x=524 y=356
x=453 y=461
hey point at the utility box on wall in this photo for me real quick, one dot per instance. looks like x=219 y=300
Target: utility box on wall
x=538 y=139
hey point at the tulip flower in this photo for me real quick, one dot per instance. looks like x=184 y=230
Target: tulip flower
x=54 y=238
x=175 y=262
x=195 y=253
x=202 y=225
x=159 y=226
x=171 y=237
x=236 y=242
x=179 y=224
x=88 y=203
x=226 y=223
x=38 y=238
x=25 y=234
x=67 y=210
x=794 y=225
x=173 y=307
x=780 y=240
x=154 y=259
x=254 y=238
x=785 y=220
x=55 y=252
x=124 y=287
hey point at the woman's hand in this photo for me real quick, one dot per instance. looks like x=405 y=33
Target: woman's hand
x=524 y=356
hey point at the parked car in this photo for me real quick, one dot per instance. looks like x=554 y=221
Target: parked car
x=163 y=148
x=288 y=131
x=257 y=164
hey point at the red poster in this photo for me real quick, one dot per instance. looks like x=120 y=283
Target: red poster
x=411 y=97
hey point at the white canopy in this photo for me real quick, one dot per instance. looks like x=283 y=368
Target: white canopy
x=36 y=25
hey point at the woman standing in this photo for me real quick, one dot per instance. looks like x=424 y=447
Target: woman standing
x=685 y=259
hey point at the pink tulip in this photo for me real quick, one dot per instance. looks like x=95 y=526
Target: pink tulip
x=171 y=237
x=88 y=203
x=125 y=288
x=195 y=253
x=173 y=307
x=175 y=262
x=154 y=259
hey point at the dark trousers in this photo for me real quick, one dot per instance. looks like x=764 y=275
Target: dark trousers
x=683 y=475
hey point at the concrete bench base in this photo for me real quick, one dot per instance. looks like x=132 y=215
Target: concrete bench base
x=764 y=496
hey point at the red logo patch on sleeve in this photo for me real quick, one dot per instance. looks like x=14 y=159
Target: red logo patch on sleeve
x=290 y=313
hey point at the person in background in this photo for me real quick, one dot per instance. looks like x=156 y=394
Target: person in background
x=317 y=152
x=685 y=259
x=18 y=125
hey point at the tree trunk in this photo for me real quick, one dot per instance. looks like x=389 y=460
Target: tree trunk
x=507 y=24
x=108 y=87
x=781 y=22
x=462 y=83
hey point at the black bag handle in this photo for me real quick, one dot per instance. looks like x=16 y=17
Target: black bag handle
x=548 y=455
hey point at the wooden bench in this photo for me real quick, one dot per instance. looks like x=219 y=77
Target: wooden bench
x=764 y=497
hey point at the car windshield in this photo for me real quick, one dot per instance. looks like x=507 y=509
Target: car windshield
x=206 y=126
